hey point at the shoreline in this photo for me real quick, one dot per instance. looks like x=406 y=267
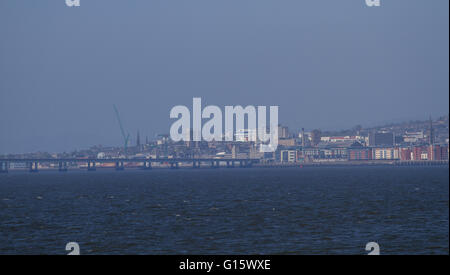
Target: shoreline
x=329 y=164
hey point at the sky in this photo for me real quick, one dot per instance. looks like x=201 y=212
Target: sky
x=327 y=64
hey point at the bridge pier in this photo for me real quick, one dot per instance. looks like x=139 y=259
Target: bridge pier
x=174 y=165
x=195 y=164
x=91 y=166
x=230 y=164
x=147 y=165
x=33 y=167
x=214 y=164
x=4 y=167
x=119 y=166
x=245 y=163
x=62 y=166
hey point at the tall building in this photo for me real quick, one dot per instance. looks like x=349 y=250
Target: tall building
x=381 y=139
x=303 y=138
x=315 y=137
x=138 y=140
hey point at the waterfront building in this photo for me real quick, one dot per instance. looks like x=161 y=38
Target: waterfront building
x=406 y=153
x=389 y=153
x=360 y=153
x=289 y=155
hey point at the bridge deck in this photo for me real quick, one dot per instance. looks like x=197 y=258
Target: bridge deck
x=125 y=160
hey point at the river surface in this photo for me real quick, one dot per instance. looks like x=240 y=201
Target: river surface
x=227 y=211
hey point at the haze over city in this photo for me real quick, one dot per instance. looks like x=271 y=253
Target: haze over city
x=327 y=68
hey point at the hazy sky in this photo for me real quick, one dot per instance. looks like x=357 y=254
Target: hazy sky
x=328 y=64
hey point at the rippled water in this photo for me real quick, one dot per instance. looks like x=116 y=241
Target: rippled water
x=227 y=211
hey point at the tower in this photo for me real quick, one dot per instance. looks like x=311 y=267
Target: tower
x=315 y=137
x=431 y=137
x=303 y=138
x=138 y=140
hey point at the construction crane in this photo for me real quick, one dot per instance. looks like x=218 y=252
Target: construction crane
x=126 y=137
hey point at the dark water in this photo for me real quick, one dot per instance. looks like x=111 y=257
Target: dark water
x=227 y=211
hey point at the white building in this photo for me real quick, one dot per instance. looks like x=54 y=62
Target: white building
x=413 y=136
x=385 y=153
x=288 y=156
x=244 y=135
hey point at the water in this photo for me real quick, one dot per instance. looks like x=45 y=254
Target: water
x=227 y=211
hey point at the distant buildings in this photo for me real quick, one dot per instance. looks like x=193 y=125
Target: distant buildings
x=341 y=139
x=244 y=135
x=283 y=132
x=289 y=156
x=315 y=137
x=429 y=152
x=413 y=137
x=431 y=133
x=381 y=139
x=384 y=153
x=138 y=140
x=412 y=141
x=287 y=142
x=303 y=137
x=360 y=154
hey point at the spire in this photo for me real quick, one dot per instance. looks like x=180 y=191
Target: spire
x=138 y=140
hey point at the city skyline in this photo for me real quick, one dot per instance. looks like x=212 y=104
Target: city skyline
x=329 y=68
x=135 y=140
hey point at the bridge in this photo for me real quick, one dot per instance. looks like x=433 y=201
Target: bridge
x=32 y=164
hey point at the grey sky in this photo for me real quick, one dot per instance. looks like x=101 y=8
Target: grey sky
x=328 y=64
